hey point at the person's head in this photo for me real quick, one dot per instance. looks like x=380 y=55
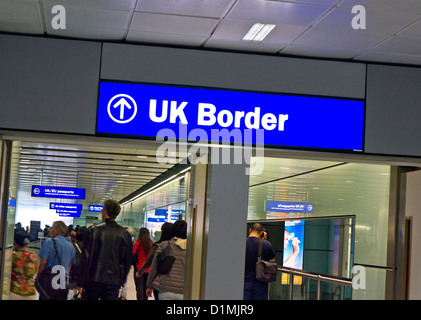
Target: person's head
x=180 y=229
x=22 y=239
x=80 y=233
x=145 y=239
x=59 y=228
x=167 y=231
x=111 y=209
x=143 y=235
x=264 y=234
x=256 y=230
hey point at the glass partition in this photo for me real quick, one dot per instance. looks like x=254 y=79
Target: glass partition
x=334 y=189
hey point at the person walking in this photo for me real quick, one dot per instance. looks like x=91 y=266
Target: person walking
x=56 y=250
x=253 y=288
x=167 y=232
x=106 y=256
x=24 y=268
x=171 y=284
x=142 y=248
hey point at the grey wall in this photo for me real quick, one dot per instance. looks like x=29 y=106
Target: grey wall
x=226 y=212
x=48 y=84
x=393 y=110
x=232 y=70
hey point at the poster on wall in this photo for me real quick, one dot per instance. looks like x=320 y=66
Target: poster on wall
x=293 y=248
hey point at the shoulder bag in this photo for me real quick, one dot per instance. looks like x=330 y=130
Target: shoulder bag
x=265 y=270
x=164 y=260
x=44 y=283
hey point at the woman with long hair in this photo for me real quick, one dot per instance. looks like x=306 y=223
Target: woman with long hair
x=167 y=232
x=142 y=247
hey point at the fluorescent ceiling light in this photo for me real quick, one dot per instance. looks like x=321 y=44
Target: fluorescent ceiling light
x=258 y=32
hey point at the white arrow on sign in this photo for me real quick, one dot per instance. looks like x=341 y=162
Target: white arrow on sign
x=122 y=103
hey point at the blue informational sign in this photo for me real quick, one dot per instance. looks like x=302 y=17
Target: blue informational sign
x=94 y=208
x=66 y=206
x=164 y=212
x=289 y=207
x=230 y=116
x=69 y=213
x=58 y=192
x=154 y=219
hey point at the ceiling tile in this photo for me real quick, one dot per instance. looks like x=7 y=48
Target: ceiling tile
x=171 y=24
x=276 y=12
x=303 y=50
x=12 y=10
x=399 y=45
x=394 y=6
x=27 y=27
x=327 y=37
x=203 y=8
x=389 y=58
x=165 y=38
x=250 y=46
x=313 y=2
x=413 y=31
x=126 y=5
x=91 y=23
x=377 y=23
x=235 y=31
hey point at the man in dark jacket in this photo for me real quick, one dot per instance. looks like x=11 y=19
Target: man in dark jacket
x=106 y=258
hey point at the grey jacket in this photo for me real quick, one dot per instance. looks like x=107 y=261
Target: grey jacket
x=173 y=281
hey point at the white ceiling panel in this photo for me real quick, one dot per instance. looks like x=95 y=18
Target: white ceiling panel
x=235 y=31
x=276 y=12
x=165 y=38
x=400 y=46
x=331 y=38
x=311 y=28
x=377 y=23
x=389 y=58
x=125 y=5
x=320 y=52
x=91 y=23
x=244 y=46
x=12 y=10
x=413 y=31
x=394 y=6
x=314 y=2
x=202 y=8
x=181 y=25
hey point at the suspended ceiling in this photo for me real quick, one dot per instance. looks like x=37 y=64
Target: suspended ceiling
x=312 y=28
x=104 y=172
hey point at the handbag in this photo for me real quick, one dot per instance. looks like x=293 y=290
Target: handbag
x=44 y=283
x=164 y=260
x=265 y=270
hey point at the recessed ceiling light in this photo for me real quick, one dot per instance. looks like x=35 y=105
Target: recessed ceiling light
x=131 y=167
x=142 y=156
x=124 y=175
x=258 y=32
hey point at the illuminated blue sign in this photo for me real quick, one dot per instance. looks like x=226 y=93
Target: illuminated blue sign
x=94 y=208
x=230 y=116
x=58 y=192
x=69 y=213
x=289 y=207
x=155 y=219
x=164 y=212
x=66 y=206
